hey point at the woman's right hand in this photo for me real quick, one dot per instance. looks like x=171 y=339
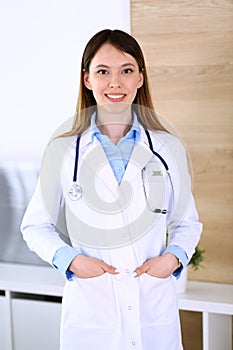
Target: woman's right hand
x=87 y=267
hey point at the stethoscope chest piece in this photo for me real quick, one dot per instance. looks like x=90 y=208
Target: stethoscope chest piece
x=75 y=192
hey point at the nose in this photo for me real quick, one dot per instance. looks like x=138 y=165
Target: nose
x=115 y=82
x=112 y=86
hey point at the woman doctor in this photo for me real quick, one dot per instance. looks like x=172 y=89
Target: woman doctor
x=121 y=181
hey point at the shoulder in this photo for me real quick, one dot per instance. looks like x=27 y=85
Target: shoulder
x=166 y=139
x=57 y=150
x=170 y=147
x=61 y=143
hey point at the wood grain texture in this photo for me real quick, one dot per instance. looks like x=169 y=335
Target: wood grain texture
x=191 y=327
x=188 y=46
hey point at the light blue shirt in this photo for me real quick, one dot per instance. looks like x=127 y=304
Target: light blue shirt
x=118 y=156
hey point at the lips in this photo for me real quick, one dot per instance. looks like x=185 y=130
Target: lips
x=115 y=97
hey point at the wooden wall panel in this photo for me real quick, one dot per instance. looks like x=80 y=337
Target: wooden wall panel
x=188 y=47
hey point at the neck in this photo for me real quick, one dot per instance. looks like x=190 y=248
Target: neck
x=115 y=123
x=114 y=131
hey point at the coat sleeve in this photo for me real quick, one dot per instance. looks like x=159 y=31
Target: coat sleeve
x=184 y=228
x=43 y=225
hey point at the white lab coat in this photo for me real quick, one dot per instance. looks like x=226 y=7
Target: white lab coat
x=115 y=312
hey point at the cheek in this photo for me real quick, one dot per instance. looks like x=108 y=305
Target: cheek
x=133 y=87
x=97 y=89
x=134 y=84
x=98 y=86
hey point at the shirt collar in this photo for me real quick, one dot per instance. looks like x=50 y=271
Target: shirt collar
x=135 y=129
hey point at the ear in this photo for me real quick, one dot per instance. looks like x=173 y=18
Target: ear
x=86 y=81
x=140 y=80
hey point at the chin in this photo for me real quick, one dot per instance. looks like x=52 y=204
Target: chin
x=116 y=108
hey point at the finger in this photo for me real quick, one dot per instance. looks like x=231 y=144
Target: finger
x=110 y=269
x=140 y=270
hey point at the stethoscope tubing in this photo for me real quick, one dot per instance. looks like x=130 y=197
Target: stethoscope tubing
x=76 y=188
x=150 y=145
x=76 y=158
x=153 y=151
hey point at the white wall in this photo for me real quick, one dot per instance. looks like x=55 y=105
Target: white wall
x=41 y=47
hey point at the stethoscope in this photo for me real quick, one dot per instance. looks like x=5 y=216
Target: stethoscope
x=75 y=191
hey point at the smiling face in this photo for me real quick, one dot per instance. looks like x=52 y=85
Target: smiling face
x=113 y=76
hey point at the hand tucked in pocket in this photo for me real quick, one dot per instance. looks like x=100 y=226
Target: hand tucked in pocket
x=86 y=267
x=161 y=266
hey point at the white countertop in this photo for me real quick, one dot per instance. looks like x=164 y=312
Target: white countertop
x=206 y=296
x=31 y=279
x=199 y=296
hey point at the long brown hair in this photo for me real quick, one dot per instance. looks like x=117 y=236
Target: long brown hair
x=86 y=101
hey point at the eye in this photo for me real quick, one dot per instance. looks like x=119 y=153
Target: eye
x=127 y=71
x=102 y=72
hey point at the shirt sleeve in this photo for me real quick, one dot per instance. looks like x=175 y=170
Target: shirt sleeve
x=181 y=255
x=62 y=260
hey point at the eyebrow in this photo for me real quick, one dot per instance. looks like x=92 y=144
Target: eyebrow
x=123 y=65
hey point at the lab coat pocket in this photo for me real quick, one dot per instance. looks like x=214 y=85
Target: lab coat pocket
x=158 y=300
x=91 y=302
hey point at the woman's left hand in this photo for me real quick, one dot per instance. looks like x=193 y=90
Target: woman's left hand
x=161 y=266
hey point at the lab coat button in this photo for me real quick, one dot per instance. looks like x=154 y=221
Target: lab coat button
x=129 y=307
x=127 y=271
x=133 y=343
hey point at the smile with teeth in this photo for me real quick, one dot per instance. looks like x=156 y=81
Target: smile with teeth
x=115 y=97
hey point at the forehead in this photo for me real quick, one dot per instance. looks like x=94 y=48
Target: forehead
x=109 y=55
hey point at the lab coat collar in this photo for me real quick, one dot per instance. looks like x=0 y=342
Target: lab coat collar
x=88 y=135
x=140 y=156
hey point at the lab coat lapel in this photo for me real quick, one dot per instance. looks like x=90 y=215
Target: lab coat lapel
x=96 y=160
x=140 y=156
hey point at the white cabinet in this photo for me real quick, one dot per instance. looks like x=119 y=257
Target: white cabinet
x=5 y=340
x=215 y=302
x=30 y=307
x=35 y=324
